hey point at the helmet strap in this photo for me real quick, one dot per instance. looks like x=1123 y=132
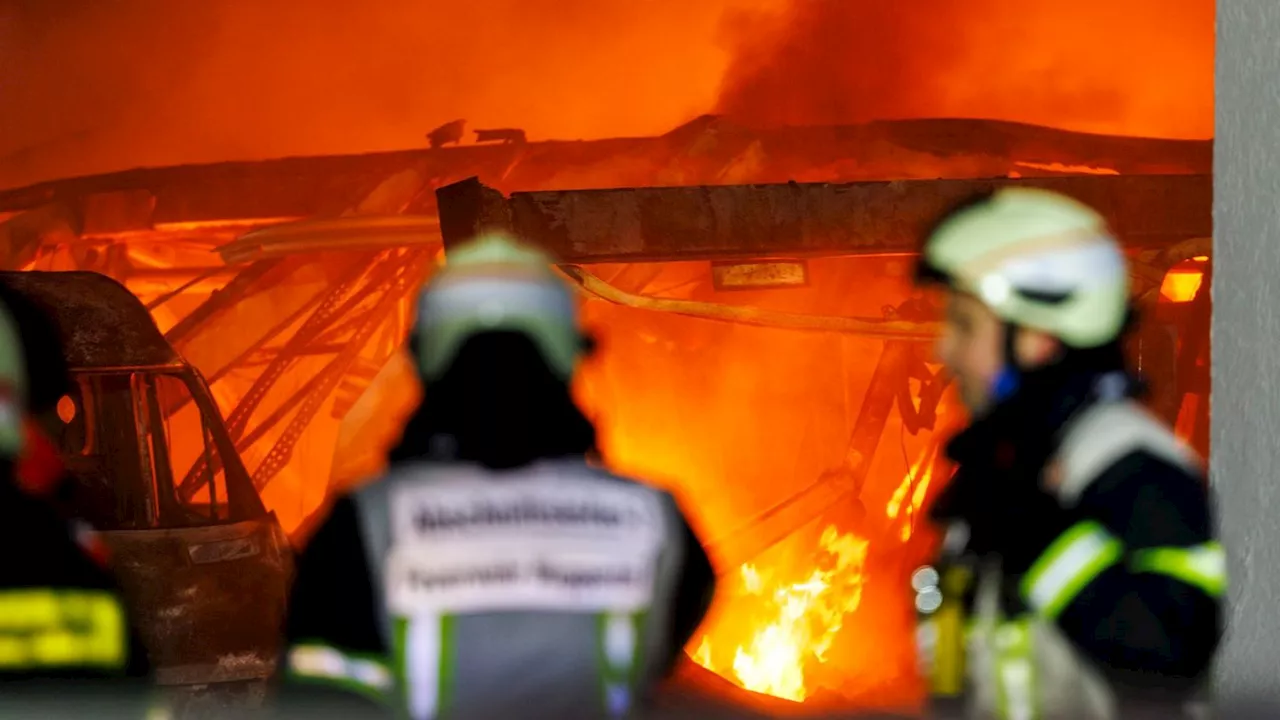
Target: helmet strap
x=1009 y=379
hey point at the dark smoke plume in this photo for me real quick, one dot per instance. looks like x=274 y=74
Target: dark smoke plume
x=1127 y=66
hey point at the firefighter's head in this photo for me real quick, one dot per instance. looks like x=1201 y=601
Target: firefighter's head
x=13 y=388
x=497 y=343
x=1032 y=278
x=497 y=285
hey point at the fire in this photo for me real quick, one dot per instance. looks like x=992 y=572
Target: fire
x=1181 y=286
x=799 y=621
x=917 y=487
x=572 y=69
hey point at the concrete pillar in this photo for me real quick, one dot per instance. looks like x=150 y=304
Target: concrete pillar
x=1245 y=463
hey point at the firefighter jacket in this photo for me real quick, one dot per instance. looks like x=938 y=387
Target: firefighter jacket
x=554 y=590
x=1118 y=614
x=67 y=647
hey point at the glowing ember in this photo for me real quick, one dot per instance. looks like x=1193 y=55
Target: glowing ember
x=799 y=619
x=1069 y=169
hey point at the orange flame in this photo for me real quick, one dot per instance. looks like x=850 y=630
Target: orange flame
x=917 y=486
x=1181 y=286
x=802 y=619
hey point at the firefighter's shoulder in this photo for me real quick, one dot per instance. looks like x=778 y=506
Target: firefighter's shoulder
x=1121 y=436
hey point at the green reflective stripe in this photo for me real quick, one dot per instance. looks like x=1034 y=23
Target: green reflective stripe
x=1015 y=670
x=1069 y=564
x=399 y=643
x=53 y=628
x=423 y=660
x=448 y=668
x=326 y=665
x=641 y=620
x=1204 y=566
x=617 y=658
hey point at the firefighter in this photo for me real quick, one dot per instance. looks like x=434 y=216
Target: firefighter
x=493 y=571
x=1099 y=579
x=48 y=380
x=67 y=648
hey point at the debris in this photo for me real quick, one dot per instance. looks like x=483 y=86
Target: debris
x=507 y=136
x=449 y=133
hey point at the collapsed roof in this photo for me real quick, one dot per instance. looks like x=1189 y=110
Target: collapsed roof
x=226 y=199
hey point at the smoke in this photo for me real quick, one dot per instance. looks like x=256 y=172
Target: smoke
x=1125 y=67
x=98 y=85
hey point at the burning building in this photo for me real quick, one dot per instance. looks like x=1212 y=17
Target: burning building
x=763 y=355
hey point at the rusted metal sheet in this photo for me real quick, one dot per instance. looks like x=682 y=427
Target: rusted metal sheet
x=709 y=222
x=98 y=319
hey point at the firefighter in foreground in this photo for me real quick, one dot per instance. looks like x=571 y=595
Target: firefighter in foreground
x=1100 y=581
x=493 y=572
x=66 y=644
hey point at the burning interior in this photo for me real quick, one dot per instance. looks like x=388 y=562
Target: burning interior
x=763 y=353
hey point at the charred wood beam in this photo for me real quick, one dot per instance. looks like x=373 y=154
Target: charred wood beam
x=469 y=208
x=323 y=186
x=797 y=219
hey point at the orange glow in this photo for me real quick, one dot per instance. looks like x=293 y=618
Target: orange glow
x=677 y=401
x=131 y=84
x=1181 y=286
x=66 y=409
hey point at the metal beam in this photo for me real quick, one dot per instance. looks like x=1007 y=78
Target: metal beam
x=797 y=219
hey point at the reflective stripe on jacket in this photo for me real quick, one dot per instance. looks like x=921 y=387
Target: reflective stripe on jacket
x=1145 y=537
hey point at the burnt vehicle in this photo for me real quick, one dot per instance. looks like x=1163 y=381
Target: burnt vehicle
x=150 y=464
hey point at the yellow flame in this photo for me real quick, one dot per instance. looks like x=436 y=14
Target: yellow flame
x=898 y=504
x=703 y=654
x=803 y=619
x=1181 y=286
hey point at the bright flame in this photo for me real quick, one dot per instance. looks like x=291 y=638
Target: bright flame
x=703 y=655
x=1181 y=285
x=802 y=619
x=915 y=484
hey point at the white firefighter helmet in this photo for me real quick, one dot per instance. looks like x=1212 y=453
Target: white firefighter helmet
x=13 y=386
x=491 y=284
x=1039 y=260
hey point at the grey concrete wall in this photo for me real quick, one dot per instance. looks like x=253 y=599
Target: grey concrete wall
x=1245 y=466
